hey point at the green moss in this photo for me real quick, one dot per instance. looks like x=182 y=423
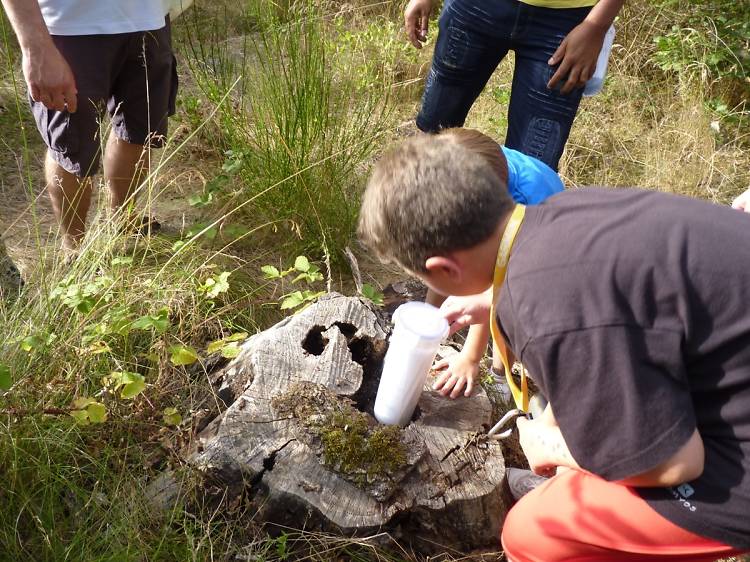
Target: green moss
x=352 y=445
x=348 y=441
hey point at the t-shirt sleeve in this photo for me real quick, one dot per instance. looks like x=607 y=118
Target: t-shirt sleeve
x=620 y=395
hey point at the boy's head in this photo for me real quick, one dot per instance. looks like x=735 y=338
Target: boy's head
x=480 y=144
x=432 y=195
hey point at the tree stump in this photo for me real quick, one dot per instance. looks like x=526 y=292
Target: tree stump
x=299 y=438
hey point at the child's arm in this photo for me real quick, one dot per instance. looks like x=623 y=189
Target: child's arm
x=578 y=52
x=461 y=370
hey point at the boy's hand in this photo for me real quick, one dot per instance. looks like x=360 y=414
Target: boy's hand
x=742 y=202
x=577 y=55
x=458 y=372
x=464 y=311
x=416 y=21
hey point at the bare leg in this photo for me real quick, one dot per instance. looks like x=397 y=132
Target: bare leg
x=71 y=198
x=124 y=167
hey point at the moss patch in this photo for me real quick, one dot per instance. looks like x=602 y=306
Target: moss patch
x=351 y=443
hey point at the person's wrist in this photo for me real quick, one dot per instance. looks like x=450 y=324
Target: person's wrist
x=598 y=23
x=36 y=43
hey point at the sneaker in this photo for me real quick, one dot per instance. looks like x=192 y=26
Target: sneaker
x=522 y=481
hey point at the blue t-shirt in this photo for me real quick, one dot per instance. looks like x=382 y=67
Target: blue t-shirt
x=530 y=181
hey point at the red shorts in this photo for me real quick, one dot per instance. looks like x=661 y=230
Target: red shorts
x=579 y=517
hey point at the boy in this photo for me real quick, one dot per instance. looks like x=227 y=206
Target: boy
x=630 y=309
x=529 y=181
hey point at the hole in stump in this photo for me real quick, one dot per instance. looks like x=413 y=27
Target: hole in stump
x=314 y=342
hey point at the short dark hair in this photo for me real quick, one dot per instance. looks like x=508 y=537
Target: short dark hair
x=430 y=195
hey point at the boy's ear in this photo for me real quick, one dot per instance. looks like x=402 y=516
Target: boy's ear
x=444 y=266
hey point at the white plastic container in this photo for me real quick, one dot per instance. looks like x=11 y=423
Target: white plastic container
x=419 y=329
x=596 y=82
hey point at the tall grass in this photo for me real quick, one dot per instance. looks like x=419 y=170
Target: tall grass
x=298 y=130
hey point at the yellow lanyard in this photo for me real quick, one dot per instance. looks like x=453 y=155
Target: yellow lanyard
x=520 y=395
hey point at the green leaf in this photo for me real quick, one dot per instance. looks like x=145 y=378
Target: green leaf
x=293 y=300
x=97 y=412
x=215 y=346
x=270 y=272
x=183 y=355
x=302 y=264
x=6 y=379
x=81 y=417
x=214 y=286
x=179 y=244
x=201 y=199
x=124 y=260
x=237 y=336
x=88 y=410
x=30 y=343
x=231 y=350
x=134 y=385
x=158 y=322
x=171 y=416
x=370 y=292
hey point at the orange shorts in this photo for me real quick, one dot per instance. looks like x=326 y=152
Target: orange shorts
x=576 y=516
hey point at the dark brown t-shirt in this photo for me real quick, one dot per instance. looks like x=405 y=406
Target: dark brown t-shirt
x=631 y=309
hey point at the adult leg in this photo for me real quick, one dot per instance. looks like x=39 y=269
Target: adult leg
x=71 y=199
x=73 y=138
x=540 y=119
x=471 y=43
x=125 y=165
x=576 y=516
x=143 y=96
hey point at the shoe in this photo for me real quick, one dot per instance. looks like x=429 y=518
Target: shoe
x=521 y=481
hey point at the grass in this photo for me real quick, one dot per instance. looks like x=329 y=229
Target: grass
x=283 y=106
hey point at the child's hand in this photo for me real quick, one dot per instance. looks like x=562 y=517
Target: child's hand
x=464 y=311
x=577 y=55
x=458 y=372
x=742 y=202
x=416 y=20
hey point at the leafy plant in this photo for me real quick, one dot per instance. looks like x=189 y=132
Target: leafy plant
x=228 y=347
x=129 y=384
x=307 y=272
x=371 y=293
x=88 y=411
x=182 y=355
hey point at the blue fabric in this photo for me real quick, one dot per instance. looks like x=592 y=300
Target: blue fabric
x=530 y=181
x=474 y=37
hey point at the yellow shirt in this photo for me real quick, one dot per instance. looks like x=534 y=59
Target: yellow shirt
x=560 y=3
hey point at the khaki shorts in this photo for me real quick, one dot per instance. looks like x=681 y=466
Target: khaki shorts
x=131 y=76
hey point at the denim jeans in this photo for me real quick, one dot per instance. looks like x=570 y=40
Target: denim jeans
x=474 y=37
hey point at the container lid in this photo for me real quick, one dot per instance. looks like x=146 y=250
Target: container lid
x=422 y=319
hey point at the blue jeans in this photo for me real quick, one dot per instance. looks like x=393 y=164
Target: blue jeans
x=474 y=37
